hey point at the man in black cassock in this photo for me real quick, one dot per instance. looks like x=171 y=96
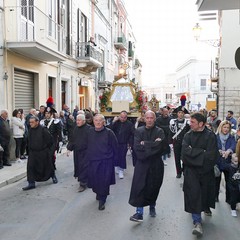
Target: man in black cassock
x=39 y=166
x=101 y=154
x=78 y=144
x=199 y=155
x=124 y=131
x=149 y=168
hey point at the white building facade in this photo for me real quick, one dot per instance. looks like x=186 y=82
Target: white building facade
x=45 y=51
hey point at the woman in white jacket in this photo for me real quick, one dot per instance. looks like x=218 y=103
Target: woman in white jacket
x=18 y=131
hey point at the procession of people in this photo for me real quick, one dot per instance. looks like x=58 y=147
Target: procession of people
x=204 y=147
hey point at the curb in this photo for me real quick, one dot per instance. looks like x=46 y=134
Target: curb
x=13 y=179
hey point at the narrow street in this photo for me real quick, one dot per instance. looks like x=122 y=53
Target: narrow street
x=59 y=212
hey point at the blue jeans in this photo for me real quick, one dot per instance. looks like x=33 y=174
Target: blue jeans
x=140 y=209
x=196 y=217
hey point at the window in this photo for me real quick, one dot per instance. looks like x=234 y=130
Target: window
x=169 y=96
x=203 y=84
x=52 y=18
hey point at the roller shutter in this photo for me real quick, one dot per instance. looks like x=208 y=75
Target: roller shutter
x=24 y=90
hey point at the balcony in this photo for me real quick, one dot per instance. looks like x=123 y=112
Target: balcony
x=206 y=5
x=33 y=34
x=130 y=54
x=89 y=57
x=121 y=43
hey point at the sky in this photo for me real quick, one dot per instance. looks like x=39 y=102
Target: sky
x=163 y=30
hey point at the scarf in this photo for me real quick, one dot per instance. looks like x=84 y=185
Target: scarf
x=223 y=139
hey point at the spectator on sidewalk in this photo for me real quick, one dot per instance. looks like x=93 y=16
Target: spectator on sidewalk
x=226 y=146
x=199 y=155
x=5 y=134
x=231 y=119
x=18 y=126
x=213 y=120
x=149 y=168
x=39 y=166
x=23 y=150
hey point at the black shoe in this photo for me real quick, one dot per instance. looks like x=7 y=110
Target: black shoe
x=208 y=212
x=7 y=164
x=23 y=157
x=101 y=205
x=179 y=175
x=54 y=179
x=29 y=187
x=152 y=212
x=137 y=217
x=81 y=188
x=1 y=167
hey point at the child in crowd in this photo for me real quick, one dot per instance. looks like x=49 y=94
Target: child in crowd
x=234 y=183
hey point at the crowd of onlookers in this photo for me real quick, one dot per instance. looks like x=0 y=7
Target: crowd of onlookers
x=17 y=126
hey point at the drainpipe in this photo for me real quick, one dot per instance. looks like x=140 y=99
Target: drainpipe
x=59 y=86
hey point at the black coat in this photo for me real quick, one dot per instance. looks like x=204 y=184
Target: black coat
x=39 y=166
x=78 y=144
x=149 y=169
x=102 y=156
x=5 y=132
x=199 y=155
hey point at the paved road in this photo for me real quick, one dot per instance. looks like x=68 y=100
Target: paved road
x=59 y=212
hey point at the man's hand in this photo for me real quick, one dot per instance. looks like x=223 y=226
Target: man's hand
x=68 y=153
x=142 y=143
x=158 y=140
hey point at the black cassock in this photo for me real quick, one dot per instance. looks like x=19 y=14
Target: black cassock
x=199 y=155
x=78 y=144
x=149 y=169
x=39 y=166
x=101 y=154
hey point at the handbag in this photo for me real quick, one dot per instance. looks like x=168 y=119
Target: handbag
x=217 y=172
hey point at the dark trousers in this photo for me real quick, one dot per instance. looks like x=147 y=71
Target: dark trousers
x=234 y=198
x=23 y=146
x=217 y=186
x=4 y=156
x=18 y=146
x=177 y=149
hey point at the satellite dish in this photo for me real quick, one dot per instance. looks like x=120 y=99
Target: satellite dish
x=237 y=58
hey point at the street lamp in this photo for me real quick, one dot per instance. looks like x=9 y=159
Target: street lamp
x=197 y=32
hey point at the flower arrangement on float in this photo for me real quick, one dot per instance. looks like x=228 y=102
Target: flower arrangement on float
x=103 y=100
x=141 y=100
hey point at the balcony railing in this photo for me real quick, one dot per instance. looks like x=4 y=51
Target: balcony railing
x=121 y=42
x=84 y=51
x=28 y=29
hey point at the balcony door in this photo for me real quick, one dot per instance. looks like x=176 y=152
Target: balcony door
x=27 y=20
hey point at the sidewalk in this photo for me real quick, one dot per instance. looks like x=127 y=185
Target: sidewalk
x=16 y=172
x=13 y=174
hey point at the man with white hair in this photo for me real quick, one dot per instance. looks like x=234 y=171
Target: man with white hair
x=78 y=144
x=5 y=134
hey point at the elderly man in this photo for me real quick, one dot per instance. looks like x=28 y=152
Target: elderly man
x=149 y=168
x=5 y=134
x=102 y=155
x=78 y=144
x=39 y=166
